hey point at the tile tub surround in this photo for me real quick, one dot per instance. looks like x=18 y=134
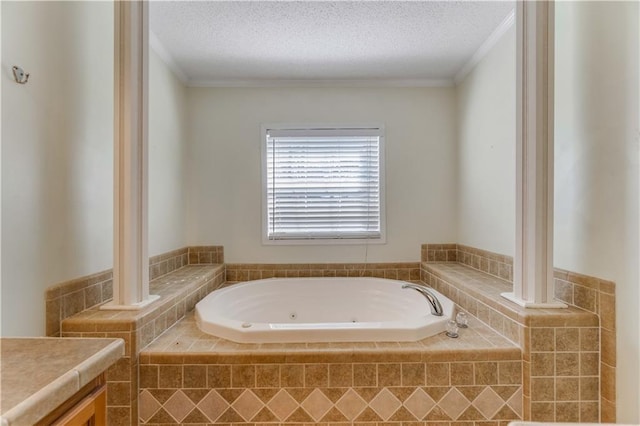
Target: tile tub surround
x=64 y=366
x=495 y=264
x=563 y=379
x=68 y=298
x=179 y=291
x=406 y=271
x=187 y=376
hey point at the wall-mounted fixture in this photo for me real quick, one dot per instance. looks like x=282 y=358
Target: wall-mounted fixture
x=19 y=75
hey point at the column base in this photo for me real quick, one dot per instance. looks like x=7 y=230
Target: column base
x=533 y=305
x=111 y=306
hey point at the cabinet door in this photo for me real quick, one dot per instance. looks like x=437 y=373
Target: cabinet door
x=91 y=411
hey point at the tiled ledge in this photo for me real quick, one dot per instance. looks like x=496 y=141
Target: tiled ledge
x=185 y=343
x=458 y=282
x=179 y=291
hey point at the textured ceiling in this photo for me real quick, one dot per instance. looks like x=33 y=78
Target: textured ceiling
x=307 y=40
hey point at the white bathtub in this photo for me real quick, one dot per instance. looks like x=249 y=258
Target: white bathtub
x=320 y=310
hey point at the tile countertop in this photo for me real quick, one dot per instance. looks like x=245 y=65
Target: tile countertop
x=39 y=374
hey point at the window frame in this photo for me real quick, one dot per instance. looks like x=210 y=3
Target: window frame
x=265 y=127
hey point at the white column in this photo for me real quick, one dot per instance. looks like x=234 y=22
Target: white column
x=533 y=264
x=131 y=259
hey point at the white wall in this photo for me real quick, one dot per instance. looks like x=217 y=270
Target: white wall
x=225 y=181
x=167 y=158
x=57 y=152
x=597 y=136
x=486 y=117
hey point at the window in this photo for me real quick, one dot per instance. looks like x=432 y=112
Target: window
x=323 y=183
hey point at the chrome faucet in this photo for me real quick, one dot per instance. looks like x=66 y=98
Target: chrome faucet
x=434 y=303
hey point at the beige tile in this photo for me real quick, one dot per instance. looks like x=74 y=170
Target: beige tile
x=608 y=342
x=486 y=373
x=454 y=403
x=567 y=339
x=268 y=376
x=608 y=382
x=351 y=405
x=148 y=406
x=607 y=311
x=247 y=405
x=607 y=411
x=341 y=375
x=194 y=376
x=170 y=376
x=413 y=374
x=542 y=389
x=509 y=372
x=584 y=298
x=438 y=374
x=589 y=339
x=567 y=364
x=567 y=389
x=542 y=364
x=462 y=373
x=243 y=376
x=488 y=403
x=148 y=376
x=389 y=375
x=213 y=405
x=219 y=376
x=364 y=375
x=542 y=411
x=589 y=388
x=179 y=406
x=292 y=375
x=542 y=339
x=282 y=405
x=119 y=416
x=589 y=363
x=118 y=393
x=317 y=405
x=419 y=403
x=589 y=412
x=316 y=375
x=385 y=404
x=567 y=412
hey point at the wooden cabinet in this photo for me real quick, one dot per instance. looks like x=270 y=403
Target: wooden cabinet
x=90 y=411
x=88 y=407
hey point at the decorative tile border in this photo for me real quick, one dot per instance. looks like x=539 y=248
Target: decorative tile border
x=408 y=271
x=357 y=393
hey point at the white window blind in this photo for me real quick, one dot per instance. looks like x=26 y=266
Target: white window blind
x=323 y=183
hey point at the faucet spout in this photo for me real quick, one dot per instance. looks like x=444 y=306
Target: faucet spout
x=434 y=303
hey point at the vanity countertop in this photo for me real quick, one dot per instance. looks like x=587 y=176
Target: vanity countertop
x=39 y=374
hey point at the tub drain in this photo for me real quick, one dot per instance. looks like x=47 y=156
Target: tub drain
x=293 y=315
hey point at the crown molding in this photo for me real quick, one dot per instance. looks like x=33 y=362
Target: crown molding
x=163 y=53
x=324 y=83
x=485 y=47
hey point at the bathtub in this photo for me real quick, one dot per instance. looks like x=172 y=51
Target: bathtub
x=320 y=310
